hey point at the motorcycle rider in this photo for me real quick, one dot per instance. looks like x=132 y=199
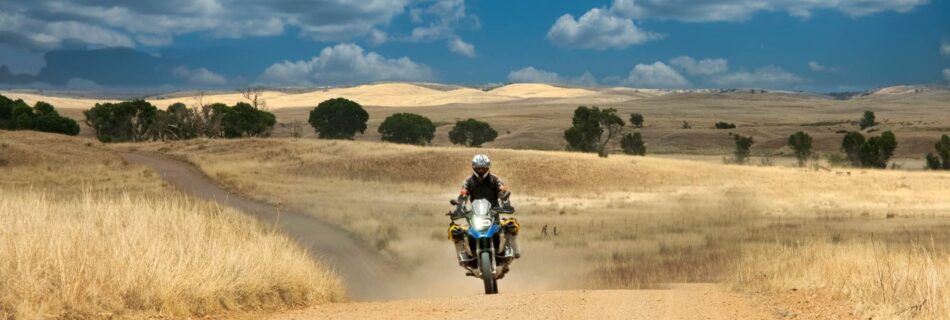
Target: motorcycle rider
x=482 y=184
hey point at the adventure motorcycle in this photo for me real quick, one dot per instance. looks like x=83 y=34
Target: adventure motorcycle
x=486 y=254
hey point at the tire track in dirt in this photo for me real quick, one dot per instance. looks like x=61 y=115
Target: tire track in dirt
x=366 y=274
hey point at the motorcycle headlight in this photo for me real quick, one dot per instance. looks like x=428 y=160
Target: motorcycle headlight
x=481 y=223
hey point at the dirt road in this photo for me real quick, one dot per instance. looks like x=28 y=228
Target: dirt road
x=365 y=273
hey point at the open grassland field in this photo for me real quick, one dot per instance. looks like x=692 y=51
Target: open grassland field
x=86 y=235
x=535 y=116
x=622 y=222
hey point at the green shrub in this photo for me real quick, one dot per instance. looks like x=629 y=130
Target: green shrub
x=17 y=115
x=472 y=133
x=338 y=118
x=407 y=128
x=725 y=125
x=632 y=143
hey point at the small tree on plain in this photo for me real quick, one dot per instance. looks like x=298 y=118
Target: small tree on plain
x=800 y=142
x=592 y=129
x=472 y=133
x=636 y=120
x=407 y=128
x=338 y=118
x=632 y=143
x=867 y=120
x=743 y=147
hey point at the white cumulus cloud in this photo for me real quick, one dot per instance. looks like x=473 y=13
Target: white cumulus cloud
x=656 y=75
x=598 y=29
x=702 y=67
x=440 y=20
x=533 y=75
x=945 y=47
x=200 y=76
x=946 y=75
x=737 y=10
x=765 y=77
x=48 y=24
x=817 y=67
x=461 y=47
x=345 y=63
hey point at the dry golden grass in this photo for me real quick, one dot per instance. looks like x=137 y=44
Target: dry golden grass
x=99 y=255
x=883 y=281
x=87 y=235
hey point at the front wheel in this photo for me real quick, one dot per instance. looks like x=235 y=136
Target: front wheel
x=484 y=261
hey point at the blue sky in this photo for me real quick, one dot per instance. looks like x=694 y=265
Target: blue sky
x=815 y=45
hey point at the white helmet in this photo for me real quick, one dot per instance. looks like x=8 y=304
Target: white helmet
x=480 y=165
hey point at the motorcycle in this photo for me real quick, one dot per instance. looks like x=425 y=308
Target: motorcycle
x=489 y=254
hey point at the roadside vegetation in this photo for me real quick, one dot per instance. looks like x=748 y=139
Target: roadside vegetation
x=87 y=235
x=139 y=120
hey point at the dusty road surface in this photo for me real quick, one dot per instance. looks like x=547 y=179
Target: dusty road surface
x=365 y=273
x=693 y=301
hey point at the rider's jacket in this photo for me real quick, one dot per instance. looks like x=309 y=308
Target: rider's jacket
x=483 y=188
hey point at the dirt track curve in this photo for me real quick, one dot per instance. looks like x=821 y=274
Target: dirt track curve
x=365 y=273
x=369 y=277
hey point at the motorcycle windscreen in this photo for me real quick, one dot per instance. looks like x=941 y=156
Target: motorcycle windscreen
x=481 y=219
x=481 y=207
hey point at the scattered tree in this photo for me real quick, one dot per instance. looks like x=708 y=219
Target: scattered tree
x=632 y=143
x=725 y=125
x=940 y=160
x=472 y=133
x=800 y=142
x=338 y=119
x=867 y=120
x=743 y=146
x=851 y=146
x=407 y=128
x=636 y=120
x=592 y=129
x=686 y=125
